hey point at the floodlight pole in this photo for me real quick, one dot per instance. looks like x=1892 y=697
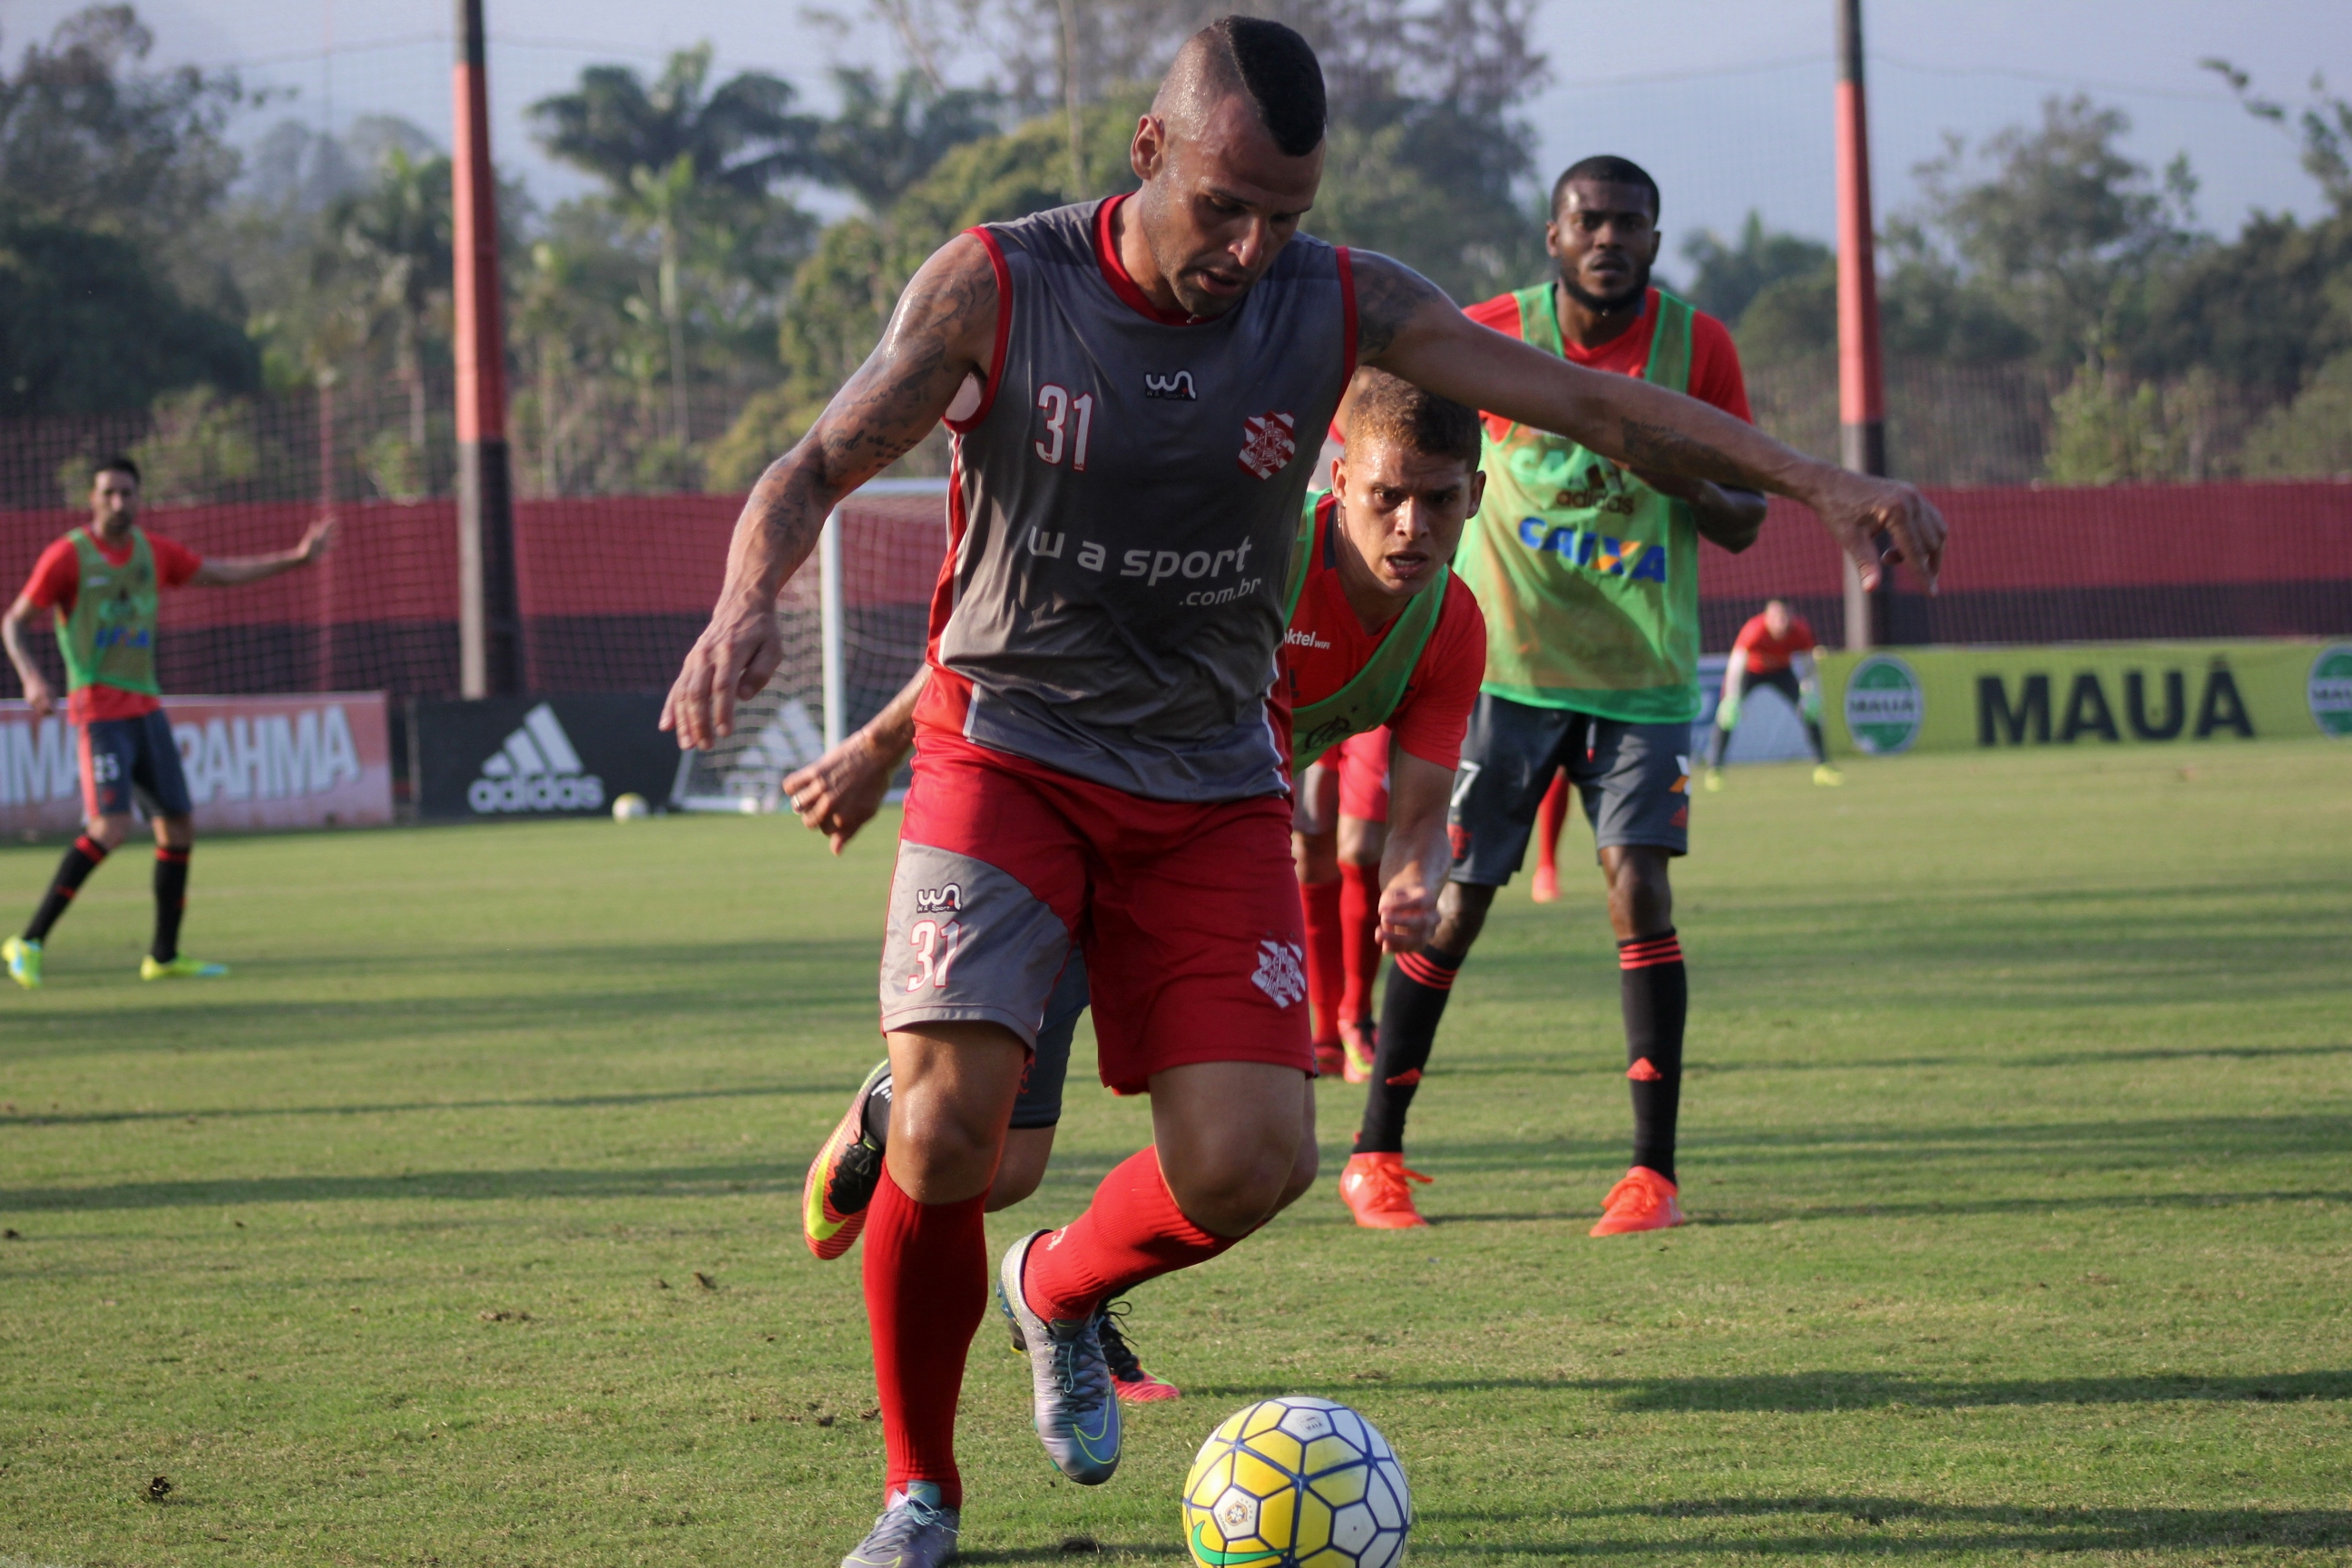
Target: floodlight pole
x=489 y=621
x=1862 y=383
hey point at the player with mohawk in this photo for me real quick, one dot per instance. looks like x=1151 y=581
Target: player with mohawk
x=1098 y=762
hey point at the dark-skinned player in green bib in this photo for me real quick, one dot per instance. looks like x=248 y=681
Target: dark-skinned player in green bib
x=1587 y=572
x=100 y=584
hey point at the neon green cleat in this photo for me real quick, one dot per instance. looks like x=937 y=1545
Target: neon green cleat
x=23 y=961
x=1828 y=777
x=1714 y=781
x=181 y=968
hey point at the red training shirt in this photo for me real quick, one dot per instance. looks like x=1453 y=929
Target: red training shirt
x=1325 y=646
x=1767 y=653
x=1714 y=374
x=55 y=584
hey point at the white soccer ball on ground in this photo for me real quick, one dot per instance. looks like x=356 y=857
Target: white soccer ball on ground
x=1296 y=1482
x=631 y=808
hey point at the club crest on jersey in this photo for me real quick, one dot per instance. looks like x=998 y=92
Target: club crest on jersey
x=939 y=900
x=1178 y=386
x=1281 y=971
x=1269 y=443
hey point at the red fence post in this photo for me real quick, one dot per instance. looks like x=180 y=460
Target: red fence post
x=489 y=622
x=1862 y=386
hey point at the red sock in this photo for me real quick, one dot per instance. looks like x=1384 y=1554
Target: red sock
x=1324 y=966
x=1550 y=817
x=925 y=1289
x=1132 y=1232
x=1359 y=919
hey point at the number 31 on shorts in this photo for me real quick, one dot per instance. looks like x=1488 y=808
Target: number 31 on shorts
x=936 y=947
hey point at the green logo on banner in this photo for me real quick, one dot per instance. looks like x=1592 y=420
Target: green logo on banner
x=1884 y=705
x=2330 y=691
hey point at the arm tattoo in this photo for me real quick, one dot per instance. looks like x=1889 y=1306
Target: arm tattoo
x=887 y=407
x=1388 y=295
x=1655 y=447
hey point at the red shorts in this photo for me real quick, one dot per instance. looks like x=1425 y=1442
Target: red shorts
x=1188 y=914
x=1364 y=775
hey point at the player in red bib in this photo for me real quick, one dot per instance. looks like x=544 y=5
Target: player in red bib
x=1098 y=765
x=1775 y=649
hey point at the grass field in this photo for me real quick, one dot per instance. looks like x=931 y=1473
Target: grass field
x=2019 y=1141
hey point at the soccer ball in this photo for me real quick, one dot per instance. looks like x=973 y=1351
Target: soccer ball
x=1296 y=1482
x=630 y=807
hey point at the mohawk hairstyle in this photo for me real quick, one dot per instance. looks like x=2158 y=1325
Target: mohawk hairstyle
x=1394 y=409
x=1608 y=170
x=1279 y=72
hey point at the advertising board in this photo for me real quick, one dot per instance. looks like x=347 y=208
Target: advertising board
x=500 y=758
x=323 y=760
x=2138 y=694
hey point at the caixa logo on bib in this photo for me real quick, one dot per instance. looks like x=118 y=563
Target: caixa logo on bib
x=2329 y=690
x=536 y=770
x=1884 y=705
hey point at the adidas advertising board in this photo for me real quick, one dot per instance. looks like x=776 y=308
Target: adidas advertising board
x=2085 y=694
x=506 y=757
x=252 y=763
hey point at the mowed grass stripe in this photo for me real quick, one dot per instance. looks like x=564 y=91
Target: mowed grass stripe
x=2019 y=1134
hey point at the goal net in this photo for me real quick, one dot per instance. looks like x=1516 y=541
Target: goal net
x=854 y=622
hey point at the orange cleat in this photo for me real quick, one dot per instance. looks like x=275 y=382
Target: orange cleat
x=1376 y=1188
x=1546 y=888
x=1644 y=1200
x=1329 y=1060
x=1358 y=1043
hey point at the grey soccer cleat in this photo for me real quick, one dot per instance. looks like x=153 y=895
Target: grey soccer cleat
x=913 y=1532
x=1077 y=1406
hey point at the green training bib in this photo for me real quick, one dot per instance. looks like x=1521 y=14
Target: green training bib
x=1588 y=577
x=1372 y=694
x=110 y=638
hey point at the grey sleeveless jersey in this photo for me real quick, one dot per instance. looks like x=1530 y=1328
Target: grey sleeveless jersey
x=1124 y=506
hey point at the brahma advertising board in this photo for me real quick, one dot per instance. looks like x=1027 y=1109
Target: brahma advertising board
x=252 y=763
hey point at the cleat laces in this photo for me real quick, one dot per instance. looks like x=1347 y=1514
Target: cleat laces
x=1125 y=1366
x=903 y=1526
x=1389 y=1188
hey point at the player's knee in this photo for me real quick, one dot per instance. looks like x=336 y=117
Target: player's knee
x=1303 y=1166
x=175 y=832
x=108 y=832
x=1234 y=1195
x=1022 y=1167
x=943 y=1145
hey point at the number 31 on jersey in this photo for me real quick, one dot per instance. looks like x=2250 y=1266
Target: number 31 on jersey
x=1069 y=421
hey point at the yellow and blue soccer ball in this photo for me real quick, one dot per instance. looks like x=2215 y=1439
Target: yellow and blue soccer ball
x=1296 y=1482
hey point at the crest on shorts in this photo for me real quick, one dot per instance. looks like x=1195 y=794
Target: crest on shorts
x=1281 y=971
x=1269 y=443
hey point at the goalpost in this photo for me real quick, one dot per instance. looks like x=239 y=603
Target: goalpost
x=853 y=631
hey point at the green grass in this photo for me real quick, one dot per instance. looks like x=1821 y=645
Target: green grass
x=2019 y=1138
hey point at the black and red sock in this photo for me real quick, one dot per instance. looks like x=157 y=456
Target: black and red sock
x=171 y=902
x=1419 y=984
x=1656 y=990
x=79 y=861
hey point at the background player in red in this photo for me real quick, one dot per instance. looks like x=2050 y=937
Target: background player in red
x=1340 y=834
x=100 y=585
x=1096 y=762
x=1775 y=649
x=1588 y=571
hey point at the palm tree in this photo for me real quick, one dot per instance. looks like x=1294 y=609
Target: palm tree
x=673 y=153
x=881 y=144
x=395 y=239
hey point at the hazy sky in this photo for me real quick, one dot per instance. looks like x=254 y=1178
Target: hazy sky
x=1726 y=101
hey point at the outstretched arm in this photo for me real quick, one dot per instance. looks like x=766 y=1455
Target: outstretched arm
x=227 y=571
x=942 y=330
x=37 y=695
x=840 y=791
x=1407 y=325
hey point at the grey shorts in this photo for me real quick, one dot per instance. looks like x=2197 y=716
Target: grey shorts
x=1039 y=1103
x=1635 y=780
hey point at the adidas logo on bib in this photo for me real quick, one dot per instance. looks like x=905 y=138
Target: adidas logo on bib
x=536 y=770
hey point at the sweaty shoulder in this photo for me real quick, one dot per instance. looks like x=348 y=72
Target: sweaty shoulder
x=1714 y=374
